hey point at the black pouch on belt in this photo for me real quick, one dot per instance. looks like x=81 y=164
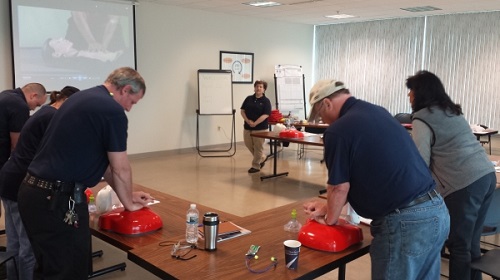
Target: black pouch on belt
x=79 y=193
x=54 y=197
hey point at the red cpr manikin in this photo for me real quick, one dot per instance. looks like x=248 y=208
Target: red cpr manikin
x=291 y=133
x=130 y=223
x=329 y=238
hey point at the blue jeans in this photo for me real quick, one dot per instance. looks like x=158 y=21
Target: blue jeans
x=468 y=208
x=407 y=242
x=18 y=242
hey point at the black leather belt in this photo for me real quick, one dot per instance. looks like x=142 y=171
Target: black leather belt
x=421 y=199
x=57 y=186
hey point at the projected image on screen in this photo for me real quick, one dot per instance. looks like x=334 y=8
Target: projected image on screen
x=77 y=42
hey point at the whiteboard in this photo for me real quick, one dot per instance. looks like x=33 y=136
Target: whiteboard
x=215 y=92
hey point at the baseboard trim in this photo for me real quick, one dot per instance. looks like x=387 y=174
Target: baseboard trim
x=178 y=151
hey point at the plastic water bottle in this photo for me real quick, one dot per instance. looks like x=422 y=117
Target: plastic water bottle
x=192 y=217
x=293 y=225
x=92 y=206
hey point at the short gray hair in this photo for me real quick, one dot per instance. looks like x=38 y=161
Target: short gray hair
x=127 y=76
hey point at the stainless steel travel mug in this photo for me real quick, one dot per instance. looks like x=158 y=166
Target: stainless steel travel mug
x=211 y=230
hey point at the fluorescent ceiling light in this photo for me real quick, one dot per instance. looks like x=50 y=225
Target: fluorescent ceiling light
x=340 y=16
x=263 y=3
x=421 y=9
x=127 y=2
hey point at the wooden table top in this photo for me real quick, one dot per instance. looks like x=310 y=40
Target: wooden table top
x=308 y=139
x=172 y=211
x=228 y=261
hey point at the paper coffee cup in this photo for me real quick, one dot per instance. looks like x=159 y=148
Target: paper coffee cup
x=292 y=249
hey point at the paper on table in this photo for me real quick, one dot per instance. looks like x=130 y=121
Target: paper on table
x=227 y=230
x=365 y=221
x=153 y=202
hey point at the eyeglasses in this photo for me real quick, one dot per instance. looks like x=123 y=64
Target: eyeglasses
x=318 y=110
x=249 y=257
x=180 y=250
x=321 y=105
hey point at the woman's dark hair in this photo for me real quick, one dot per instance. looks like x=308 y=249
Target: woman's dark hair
x=66 y=92
x=263 y=83
x=428 y=90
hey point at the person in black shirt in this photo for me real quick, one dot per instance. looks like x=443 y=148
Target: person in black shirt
x=11 y=176
x=374 y=165
x=255 y=110
x=15 y=106
x=85 y=141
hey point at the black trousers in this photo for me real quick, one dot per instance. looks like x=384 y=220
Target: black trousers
x=62 y=251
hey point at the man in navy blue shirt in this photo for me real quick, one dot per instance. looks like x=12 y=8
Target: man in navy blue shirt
x=11 y=176
x=85 y=141
x=15 y=106
x=375 y=166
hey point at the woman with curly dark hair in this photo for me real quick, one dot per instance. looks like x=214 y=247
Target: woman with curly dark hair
x=464 y=175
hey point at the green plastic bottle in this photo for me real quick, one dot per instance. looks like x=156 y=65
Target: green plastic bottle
x=293 y=225
x=92 y=206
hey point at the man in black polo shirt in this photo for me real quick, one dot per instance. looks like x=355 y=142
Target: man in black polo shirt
x=11 y=176
x=85 y=140
x=15 y=106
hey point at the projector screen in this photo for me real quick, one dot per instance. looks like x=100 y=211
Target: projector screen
x=70 y=42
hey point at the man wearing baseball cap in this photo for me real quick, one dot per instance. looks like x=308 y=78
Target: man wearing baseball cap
x=375 y=166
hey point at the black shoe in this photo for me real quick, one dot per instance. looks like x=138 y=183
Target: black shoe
x=253 y=170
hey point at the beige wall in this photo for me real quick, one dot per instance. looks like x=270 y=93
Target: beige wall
x=172 y=44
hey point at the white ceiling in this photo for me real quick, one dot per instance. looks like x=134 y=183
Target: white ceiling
x=314 y=11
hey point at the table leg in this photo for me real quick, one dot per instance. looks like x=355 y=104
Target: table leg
x=274 y=145
x=342 y=272
x=271 y=148
x=489 y=142
x=120 y=266
x=96 y=273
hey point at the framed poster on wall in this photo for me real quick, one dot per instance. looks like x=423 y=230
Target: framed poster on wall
x=240 y=64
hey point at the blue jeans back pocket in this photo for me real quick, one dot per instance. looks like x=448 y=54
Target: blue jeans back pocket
x=418 y=239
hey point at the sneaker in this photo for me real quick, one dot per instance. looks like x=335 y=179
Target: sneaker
x=253 y=170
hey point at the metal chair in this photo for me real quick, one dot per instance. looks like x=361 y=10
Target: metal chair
x=484 y=141
x=488 y=263
x=7 y=256
x=403 y=117
x=491 y=224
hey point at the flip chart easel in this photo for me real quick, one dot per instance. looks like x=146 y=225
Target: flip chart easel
x=215 y=97
x=290 y=90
